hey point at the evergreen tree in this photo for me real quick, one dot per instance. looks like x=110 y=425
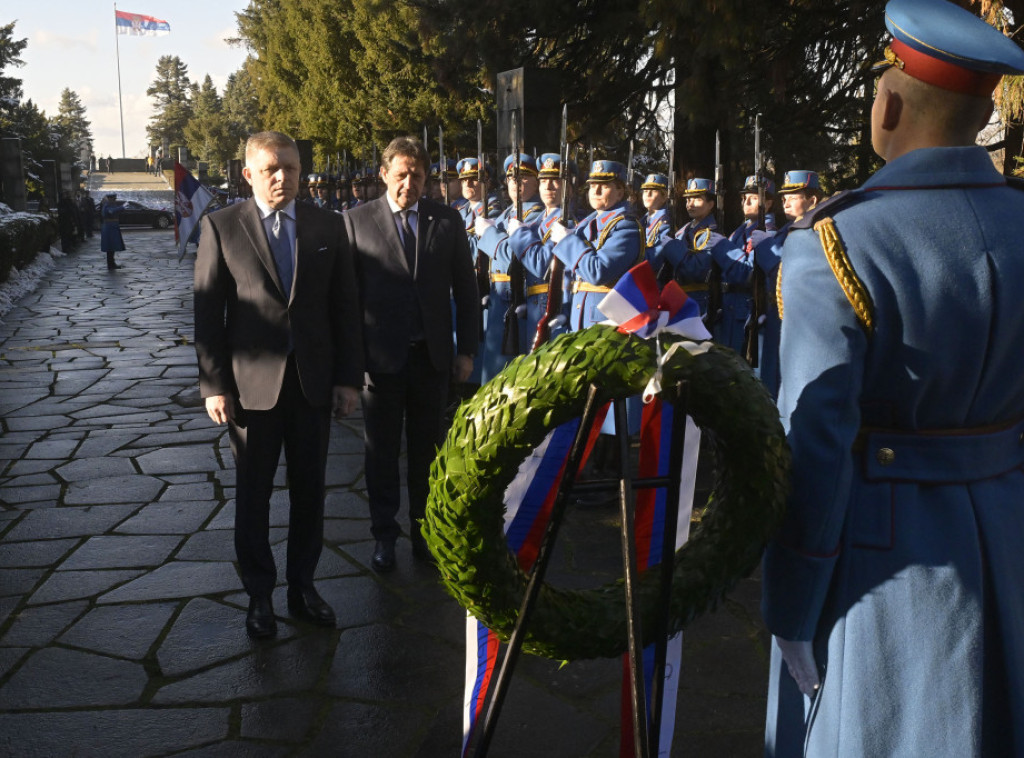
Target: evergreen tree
x=73 y=130
x=10 y=87
x=172 y=91
x=241 y=105
x=208 y=133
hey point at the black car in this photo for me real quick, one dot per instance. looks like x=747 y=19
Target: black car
x=137 y=214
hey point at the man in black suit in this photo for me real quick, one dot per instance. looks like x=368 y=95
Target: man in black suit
x=412 y=259
x=280 y=351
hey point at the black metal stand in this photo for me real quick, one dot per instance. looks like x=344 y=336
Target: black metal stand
x=645 y=740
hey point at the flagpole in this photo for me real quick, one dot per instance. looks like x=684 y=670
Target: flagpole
x=120 y=103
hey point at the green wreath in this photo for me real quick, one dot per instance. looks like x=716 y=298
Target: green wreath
x=496 y=430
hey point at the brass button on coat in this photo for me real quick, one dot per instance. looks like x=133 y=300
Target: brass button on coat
x=885 y=456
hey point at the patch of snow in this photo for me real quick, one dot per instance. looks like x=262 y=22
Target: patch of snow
x=24 y=282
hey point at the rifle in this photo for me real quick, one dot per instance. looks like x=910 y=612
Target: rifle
x=510 y=335
x=556 y=271
x=483 y=262
x=715 y=274
x=442 y=165
x=672 y=183
x=629 y=175
x=759 y=284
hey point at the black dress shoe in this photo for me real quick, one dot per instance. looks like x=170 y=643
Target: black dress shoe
x=307 y=604
x=260 y=622
x=383 y=557
x=420 y=551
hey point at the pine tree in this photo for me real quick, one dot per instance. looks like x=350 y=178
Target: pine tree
x=208 y=133
x=73 y=130
x=172 y=91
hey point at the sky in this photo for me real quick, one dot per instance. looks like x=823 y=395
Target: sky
x=71 y=43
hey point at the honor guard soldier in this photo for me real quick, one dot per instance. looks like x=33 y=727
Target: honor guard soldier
x=323 y=198
x=358 y=191
x=455 y=197
x=656 y=222
x=309 y=196
x=493 y=242
x=701 y=245
x=602 y=247
x=532 y=244
x=475 y=192
x=737 y=294
x=800 y=192
x=893 y=588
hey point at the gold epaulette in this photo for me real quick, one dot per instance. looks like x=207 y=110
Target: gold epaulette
x=853 y=287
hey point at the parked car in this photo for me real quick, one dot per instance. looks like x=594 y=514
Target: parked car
x=137 y=214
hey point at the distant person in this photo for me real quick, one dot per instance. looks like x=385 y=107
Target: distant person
x=109 y=165
x=66 y=225
x=88 y=211
x=111 y=240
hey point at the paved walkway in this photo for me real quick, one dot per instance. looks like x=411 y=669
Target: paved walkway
x=121 y=611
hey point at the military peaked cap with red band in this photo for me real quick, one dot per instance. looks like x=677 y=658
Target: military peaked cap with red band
x=942 y=44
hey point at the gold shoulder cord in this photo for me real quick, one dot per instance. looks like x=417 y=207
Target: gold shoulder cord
x=853 y=287
x=778 y=290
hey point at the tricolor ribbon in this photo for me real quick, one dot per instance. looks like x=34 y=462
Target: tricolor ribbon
x=636 y=306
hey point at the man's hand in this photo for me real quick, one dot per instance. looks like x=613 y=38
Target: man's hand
x=558 y=232
x=481 y=225
x=799 y=658
x=220 y=408
x=343 y=401
x=512 y=225
x=462 y=368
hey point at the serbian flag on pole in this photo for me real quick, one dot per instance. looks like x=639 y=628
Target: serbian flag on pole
x=140 y=26
x=191 y=199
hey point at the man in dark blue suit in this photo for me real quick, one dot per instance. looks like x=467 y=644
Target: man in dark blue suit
x=412 y=260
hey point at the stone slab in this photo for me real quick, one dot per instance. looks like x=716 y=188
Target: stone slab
x=125 y=631
x=83 y=469
x=71 y=585
x=86 y=681
x=122 y=551
x=176 y=580
x=114 y=489
x=175 y=460
x=68 y=522
x=38 y=553
x=288 y=668
x=93 y=733
x=284 y=719
x=39 y=626
x=168 y=518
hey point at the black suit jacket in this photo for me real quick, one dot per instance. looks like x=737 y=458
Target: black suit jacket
x=388 y=289
x=243 y=317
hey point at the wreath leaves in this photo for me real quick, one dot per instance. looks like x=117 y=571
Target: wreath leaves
x=496 y=430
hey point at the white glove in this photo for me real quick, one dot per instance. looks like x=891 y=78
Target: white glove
x=799 y=658
x=558 y=232
x=481 y=225
x=512 y=225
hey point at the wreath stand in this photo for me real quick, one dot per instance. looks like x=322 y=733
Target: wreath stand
x=645 y=741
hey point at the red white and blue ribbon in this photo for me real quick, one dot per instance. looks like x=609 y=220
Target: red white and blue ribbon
x=634 y=305
x=529 y=500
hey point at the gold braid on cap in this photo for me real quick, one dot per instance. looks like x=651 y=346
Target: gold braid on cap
x=853 y=287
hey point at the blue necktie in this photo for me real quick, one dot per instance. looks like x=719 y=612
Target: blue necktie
x=408 y=241
x=282 y=252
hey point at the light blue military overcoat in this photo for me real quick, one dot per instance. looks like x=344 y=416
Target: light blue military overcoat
x=902 y=556
x=494 y=243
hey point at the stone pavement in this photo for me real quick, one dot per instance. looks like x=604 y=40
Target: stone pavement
x=121 y=610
